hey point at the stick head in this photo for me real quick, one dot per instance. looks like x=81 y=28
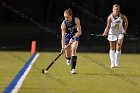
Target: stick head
x=44 y=71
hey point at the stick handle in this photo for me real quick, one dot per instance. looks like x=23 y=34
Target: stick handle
x=102 y=34
x=96 y=34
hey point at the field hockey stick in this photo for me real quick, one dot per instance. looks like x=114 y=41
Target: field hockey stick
x=102 y=34
x=44 y=71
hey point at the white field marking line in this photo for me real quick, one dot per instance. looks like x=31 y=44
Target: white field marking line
x=19 y=84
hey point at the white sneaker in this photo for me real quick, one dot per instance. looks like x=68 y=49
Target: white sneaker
x=73 y=71
x=112 y=66
x=116 y=64
x=68 y=62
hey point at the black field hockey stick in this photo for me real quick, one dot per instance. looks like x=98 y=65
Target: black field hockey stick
x=102 y=34
x=44 y=71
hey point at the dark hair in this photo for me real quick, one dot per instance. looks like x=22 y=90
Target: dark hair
x=68 y=11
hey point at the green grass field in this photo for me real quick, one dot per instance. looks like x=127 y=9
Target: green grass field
x=94 y=74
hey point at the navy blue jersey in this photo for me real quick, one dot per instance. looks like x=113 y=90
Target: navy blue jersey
x=71 y=28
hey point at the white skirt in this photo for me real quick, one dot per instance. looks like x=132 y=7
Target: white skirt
x=115 y=37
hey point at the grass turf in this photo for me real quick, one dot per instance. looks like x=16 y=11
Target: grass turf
x=94 y=74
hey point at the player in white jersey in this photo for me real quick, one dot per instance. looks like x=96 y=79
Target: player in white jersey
x=116 y=30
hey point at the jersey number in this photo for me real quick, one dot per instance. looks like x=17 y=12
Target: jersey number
x=116 y=26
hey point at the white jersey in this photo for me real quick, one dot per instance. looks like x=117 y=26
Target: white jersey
x=116 y=25
x=116 y=28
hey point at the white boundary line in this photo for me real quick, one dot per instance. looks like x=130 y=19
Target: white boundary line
x=19 y=84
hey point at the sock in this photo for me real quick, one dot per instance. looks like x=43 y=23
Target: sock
x=117 y=57
x=112 y=56
x=73 y=61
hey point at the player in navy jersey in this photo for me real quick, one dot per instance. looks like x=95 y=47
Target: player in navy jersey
x=71 y=30
x=116 y=29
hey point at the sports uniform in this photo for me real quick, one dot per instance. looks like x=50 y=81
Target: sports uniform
x=116 y=28
x=116 y=33
x=70 y=31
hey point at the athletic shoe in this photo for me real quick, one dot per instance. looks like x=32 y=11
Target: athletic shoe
x=112 y=66
x=73 y=71
x=116 y=65
x=68 y=62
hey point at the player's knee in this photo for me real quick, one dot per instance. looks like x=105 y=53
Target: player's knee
x=118 y=46
x=73 y=52
x=112 y=47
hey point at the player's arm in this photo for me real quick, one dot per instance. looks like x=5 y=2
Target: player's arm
x=125 y=23
x=78 y=25
x=107 y=26
x=63 y=30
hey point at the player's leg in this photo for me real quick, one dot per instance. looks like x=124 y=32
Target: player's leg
x=68 y=50
x=112 y=53
x=74 y=57
x=112 y=41
x=68 y=55
x=118 y=49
